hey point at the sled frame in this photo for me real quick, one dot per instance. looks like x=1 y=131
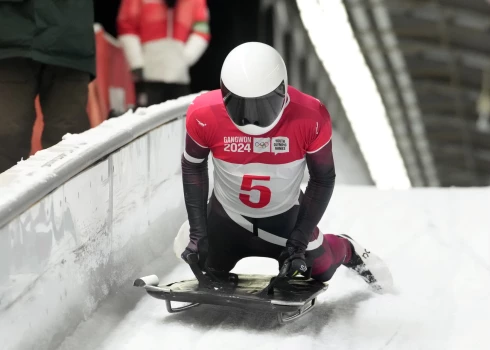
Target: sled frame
x=283 y=317
x=286 y=310
x=173 y=310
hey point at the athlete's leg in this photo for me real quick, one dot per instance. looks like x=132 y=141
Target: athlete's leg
x=227 y=241
x=369 y=266
x=267 y=237
x=343 y=250
x=230 y=238
x=223 y=235
x=333 y=252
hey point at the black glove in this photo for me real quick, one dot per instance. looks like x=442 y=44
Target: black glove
x=186 y=253
x=295 y=257
x=192 y=247
x=200 y=248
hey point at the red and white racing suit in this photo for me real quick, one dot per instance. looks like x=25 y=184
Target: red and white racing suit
x=164 y=41
x=257 y=205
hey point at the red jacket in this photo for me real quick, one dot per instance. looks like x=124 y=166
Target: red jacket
x=164 y=41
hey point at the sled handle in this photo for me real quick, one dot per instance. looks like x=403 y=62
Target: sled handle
x=193 y=261
x=209 y=279
x=282 y=276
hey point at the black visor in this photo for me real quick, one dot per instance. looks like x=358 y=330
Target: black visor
x=261 y=111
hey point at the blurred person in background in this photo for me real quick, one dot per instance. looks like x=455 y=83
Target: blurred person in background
x=162 y=39
x=47 y=48
x=106 y=14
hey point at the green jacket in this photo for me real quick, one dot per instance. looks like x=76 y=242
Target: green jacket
x=55 y=32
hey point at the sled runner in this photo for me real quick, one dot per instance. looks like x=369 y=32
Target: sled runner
x=289 y=298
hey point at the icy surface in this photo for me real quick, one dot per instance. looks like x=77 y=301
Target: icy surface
x=437 y=243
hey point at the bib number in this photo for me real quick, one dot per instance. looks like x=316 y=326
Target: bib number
x=264 y=192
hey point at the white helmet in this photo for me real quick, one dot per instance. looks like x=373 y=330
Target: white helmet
x=254 y=84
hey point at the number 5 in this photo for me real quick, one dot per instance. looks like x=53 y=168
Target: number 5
x=247 y=185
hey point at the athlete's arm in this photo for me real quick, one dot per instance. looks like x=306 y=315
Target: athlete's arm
x=319 y=159
x=196 y=186
x=317 y=195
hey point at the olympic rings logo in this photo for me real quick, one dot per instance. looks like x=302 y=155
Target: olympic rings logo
x=261 y=144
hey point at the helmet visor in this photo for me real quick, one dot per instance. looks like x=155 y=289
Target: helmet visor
x=261 y=111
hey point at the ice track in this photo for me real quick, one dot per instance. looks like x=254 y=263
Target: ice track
x=437 y=242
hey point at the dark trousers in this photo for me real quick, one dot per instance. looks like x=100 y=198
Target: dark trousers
x=151 y=93
x=228 y=242
x=63 y=95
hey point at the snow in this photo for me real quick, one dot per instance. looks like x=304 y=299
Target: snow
x=436 y=241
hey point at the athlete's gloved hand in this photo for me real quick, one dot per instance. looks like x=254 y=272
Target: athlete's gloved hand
x=295 y=257
x=186 y=253
x=200 y=248
x=192 y=248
